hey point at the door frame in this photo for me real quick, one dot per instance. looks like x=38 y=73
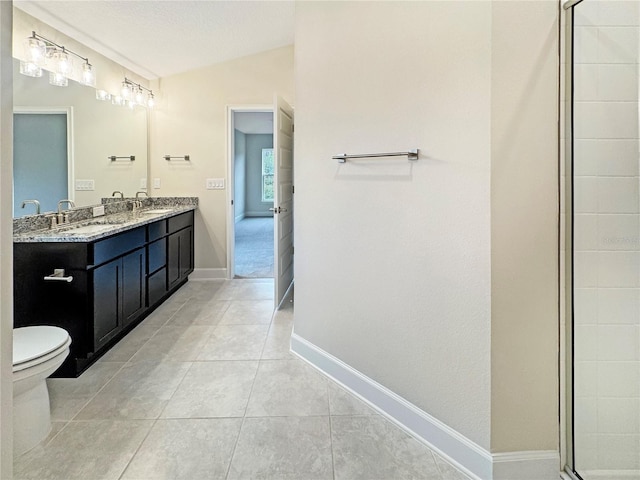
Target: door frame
x=230 y=210
x=68 y=111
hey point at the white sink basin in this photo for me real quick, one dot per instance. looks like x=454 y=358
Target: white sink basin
x=156 y=211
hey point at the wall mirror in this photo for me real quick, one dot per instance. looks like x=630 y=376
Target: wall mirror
x=64 y=141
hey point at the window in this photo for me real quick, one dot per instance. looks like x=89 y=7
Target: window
x=267 y=174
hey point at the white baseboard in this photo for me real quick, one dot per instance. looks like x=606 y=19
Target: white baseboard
x=463 y=453
x=258 y=214
x=239 y=217
x=208 y=274
x=536 y=465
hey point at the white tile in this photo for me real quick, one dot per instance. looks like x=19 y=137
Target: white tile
x=617 y=44
x=618 y=415
x=618 y=12
x=618 y=306
x=618 y=195
x=585 y=341
x=585 y=44
x=586 y=451
x=610 y=157
x=618 y=452
x=586 y=13
x=585 y=194
x=585 y=306
x=616 y=82
x=619 y=379
x=585 y=414
x=606 y=120
x=618 y=342
x=585 y=232
x=618 y=269
x=585 y=269
x=585 y=82
x=618 y=232
x=585 y=378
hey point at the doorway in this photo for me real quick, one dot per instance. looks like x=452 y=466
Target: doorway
x=251 y=183
x=42 y=158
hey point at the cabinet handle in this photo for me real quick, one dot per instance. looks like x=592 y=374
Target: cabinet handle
x=58 y=276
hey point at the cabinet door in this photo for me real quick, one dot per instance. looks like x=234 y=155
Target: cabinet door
x=106 y=303
x=133 y=285
x=186 y=252
x=173 y=260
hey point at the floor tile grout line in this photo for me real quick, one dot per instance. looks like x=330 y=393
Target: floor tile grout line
x=124 y=470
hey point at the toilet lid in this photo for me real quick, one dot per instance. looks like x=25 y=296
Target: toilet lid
x=33 y=342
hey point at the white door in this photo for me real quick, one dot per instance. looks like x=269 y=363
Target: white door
x=282 y=198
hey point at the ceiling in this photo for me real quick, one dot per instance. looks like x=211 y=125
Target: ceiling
x=159 y=38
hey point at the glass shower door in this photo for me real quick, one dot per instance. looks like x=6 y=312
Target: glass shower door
x=605 y=290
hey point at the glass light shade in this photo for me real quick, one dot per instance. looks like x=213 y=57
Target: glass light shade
x=103 y=95
x=117 y=100
x=139 y=96
x=88 y=75
x=58 y=80
x=151 y=101
x=35 y=50
x=30 y=69
x=131 y=104
x=62 y=64
x=127 y=91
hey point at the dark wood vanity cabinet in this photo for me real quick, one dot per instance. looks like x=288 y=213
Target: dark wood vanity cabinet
x=117 y=281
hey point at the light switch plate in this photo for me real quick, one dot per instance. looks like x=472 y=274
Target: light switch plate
x=215 y=183
x=143 y=183
x=156 y=183
x=85 y=185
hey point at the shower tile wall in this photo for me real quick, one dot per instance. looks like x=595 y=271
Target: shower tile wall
x=606 y=238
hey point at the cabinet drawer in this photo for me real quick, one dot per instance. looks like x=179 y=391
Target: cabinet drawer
x=157 y=254
x=157 y=230
x=157 y=286
x=112 y=247
x=180 y=221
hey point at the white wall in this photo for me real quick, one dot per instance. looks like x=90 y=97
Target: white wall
x=255 y=206
x=606 y=237
x=6 y=243
x=240 y=174
x=192 y=120
x=393 y=258
x=436 y=279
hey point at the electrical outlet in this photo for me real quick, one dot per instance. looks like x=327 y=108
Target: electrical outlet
x=156 y=183
x=85 y=185
x=215 y=183
x=143 y=183
x=98 y=211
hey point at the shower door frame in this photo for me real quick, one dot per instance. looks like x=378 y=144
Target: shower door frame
x=568 y=421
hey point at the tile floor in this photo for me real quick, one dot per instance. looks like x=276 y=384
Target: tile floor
x=206 y=388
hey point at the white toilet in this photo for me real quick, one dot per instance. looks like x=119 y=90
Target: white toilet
x=37 y=353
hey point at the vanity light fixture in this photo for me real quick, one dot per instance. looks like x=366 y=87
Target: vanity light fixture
x=42 y=52
x=103 y=95
x=137 y=94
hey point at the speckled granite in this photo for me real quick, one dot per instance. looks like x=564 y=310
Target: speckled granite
x=120 y=215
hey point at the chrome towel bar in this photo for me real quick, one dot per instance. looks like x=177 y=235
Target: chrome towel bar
x=113 y=158
x=58 y=275
x=411 y=155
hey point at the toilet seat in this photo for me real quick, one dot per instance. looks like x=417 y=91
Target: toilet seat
x=35 y=345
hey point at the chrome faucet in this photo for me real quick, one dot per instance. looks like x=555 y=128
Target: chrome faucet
x=141 y=191
x=35 y=202
x=118 y=191
x=64 y=217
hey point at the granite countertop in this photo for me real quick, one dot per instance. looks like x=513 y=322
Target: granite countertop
x=102 y=226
